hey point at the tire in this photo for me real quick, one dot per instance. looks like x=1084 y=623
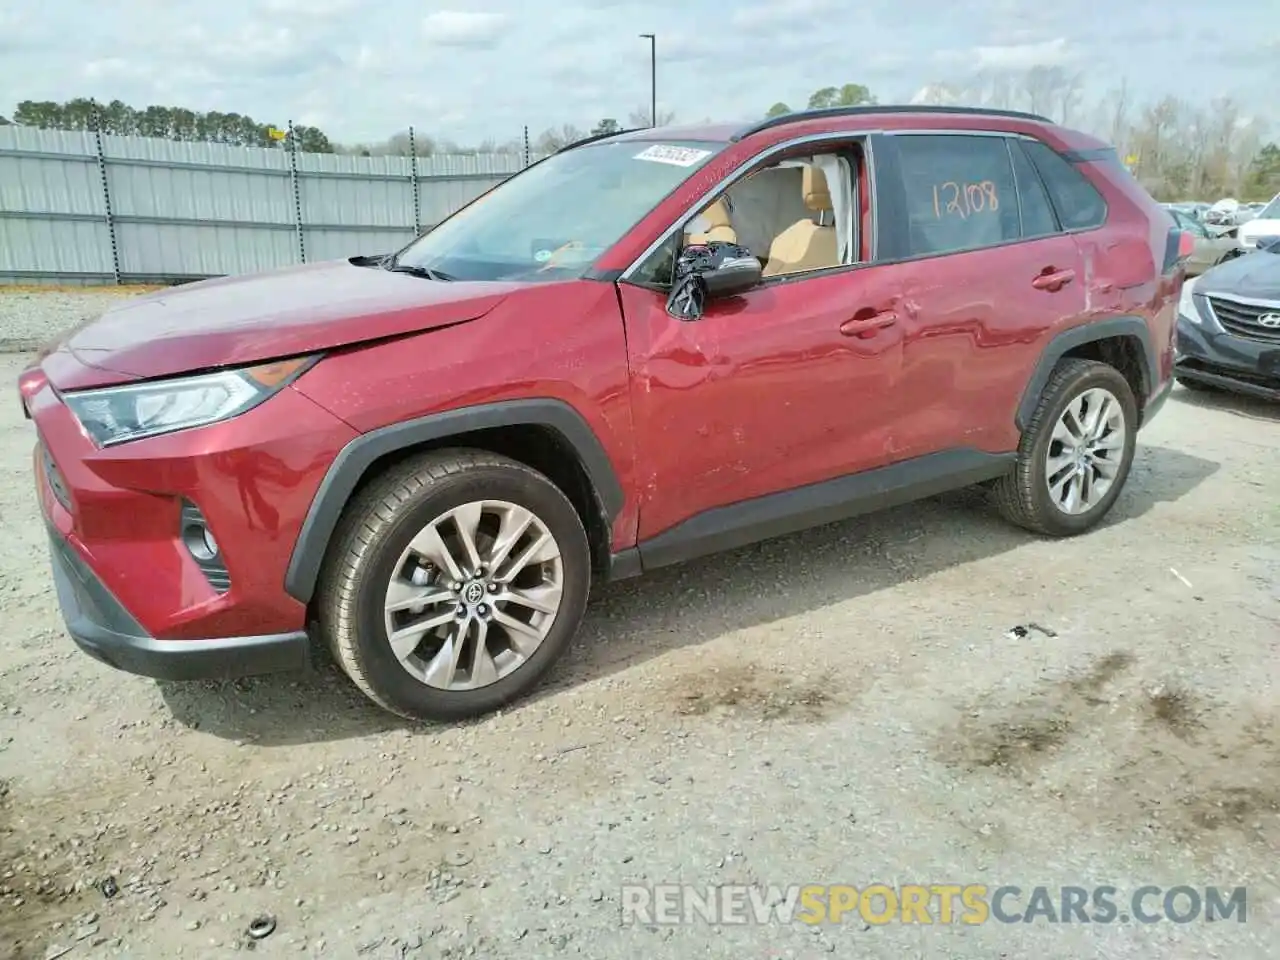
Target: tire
x=1194 y=384
x=1023 y=496
x=370 y=548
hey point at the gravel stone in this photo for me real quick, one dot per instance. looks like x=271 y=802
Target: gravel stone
x=847 y=705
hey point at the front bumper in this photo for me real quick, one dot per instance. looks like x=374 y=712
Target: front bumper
x=1207 y=354
x=104 y=629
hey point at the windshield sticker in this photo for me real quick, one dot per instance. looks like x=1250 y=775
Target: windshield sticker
x=676 y=156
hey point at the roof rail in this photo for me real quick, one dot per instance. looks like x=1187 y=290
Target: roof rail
x=598 y=136
x=872 y=109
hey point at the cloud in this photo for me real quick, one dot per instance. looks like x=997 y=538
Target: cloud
x=1023 y=56
x=486 y=68
x=458 y=28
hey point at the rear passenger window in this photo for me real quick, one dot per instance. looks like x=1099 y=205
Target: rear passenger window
x=1037 y=215
x=959 y=192
x=1078 y=203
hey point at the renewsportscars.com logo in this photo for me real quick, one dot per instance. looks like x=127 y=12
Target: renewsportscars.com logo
x=934 y=903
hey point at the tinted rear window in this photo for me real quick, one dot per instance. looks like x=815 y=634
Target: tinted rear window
x=1078 y=204
x=959 y=192
x=1038 y=219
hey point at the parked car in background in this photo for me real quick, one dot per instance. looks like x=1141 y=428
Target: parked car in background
x=1194 y=210
x=1210 y=249
x=1229 y=327
x=645 y=348
x=1228 y=212
x=1263 y=228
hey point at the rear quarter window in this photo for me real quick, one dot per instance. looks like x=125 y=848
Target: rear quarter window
x=1077 y=202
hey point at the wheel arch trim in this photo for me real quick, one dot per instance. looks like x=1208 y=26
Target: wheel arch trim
x=354 y=460
x=1067 y=340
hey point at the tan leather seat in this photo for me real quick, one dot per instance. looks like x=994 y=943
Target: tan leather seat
x=806 y=245
x=719 y=226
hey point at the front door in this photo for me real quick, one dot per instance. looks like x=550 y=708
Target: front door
x=763 y=393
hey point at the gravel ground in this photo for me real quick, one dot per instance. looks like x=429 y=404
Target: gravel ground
x=908 y=735
x=30 y=316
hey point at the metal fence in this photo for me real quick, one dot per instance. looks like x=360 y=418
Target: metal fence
x=89 y=208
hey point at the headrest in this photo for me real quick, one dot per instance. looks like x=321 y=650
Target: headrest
x=717 y=215
x=814 y=189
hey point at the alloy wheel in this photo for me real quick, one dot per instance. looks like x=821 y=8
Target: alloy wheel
x=1085 y=451
x=474 y=595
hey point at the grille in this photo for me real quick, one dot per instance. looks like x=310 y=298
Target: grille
x=1242 y=318
x=54 y=477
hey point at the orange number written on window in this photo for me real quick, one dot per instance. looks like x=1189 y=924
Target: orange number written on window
x=965 y=199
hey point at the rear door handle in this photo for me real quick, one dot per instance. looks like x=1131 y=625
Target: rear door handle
x=1053 y=280
x=865 y=323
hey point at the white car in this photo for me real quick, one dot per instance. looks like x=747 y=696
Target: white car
x=1265 y=226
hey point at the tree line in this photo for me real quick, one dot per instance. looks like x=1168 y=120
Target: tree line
x=165 y=123
x=1179 y=150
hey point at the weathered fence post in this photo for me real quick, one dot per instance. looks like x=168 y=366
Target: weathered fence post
x=106 y=198
x=297 y=194
x=413 y=180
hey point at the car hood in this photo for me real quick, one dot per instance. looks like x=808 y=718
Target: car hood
x=266 y=316
x=1255 y=275
x=1258 y=227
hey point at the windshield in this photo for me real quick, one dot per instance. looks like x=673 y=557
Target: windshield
x=1272 y=210
x=552 y=221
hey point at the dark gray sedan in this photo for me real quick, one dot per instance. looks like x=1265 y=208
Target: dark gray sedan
x=1229 y=327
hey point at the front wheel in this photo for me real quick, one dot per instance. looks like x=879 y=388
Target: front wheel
x=455 y=581
x=1076 y=452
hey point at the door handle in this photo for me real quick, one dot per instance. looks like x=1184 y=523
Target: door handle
x=1053 y=280
x=864 y=323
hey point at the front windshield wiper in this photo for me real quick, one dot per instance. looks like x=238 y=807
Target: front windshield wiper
x=426 y=272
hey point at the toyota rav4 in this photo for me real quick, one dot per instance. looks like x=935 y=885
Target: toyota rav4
x=642 y=349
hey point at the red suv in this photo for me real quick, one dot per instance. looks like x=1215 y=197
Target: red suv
x=645 y=348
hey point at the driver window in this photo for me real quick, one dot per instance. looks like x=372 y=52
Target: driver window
x=796 y=216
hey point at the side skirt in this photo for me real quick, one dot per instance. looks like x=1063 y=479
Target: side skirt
x=777 y=514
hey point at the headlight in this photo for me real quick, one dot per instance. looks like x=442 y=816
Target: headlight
x=1187 y=305
x=117 y=414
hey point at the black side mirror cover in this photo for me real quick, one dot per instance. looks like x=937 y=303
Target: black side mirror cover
x=688 y=298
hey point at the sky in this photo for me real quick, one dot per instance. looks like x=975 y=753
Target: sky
x=483 y=69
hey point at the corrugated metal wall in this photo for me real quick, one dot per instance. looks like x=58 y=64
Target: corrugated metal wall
x=79 y=208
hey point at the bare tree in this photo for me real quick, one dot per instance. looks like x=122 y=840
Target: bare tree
x=640 y=118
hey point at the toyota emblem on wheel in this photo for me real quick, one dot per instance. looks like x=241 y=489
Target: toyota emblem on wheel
x=1270 y=320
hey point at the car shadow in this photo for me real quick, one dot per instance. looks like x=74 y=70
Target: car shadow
x=1238 y=404
x=634 y=620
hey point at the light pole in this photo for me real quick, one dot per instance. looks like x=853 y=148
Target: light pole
x=653 y=77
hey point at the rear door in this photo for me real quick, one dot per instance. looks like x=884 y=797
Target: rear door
x=986 y=272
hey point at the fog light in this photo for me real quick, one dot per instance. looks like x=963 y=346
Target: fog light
x=203 y=547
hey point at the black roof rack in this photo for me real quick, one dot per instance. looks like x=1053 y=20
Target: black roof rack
x=598 y=136
x=873 y=109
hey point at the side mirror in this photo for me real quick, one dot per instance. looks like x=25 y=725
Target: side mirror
x=732 y=276
x=710 y=271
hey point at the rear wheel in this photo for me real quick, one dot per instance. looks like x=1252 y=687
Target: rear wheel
x=456 y=581
x=1076 y=452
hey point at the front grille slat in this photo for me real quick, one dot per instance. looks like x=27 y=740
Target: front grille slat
x=1243 y=319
